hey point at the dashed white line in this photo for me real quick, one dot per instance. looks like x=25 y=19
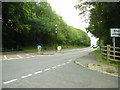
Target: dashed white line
x=31 y=74
x=58 y=65
x=47 y=69
x=63 y=63
x=26 y=76
x=38 y=72
x=68 y=62
x=54 y=67
x=10 y=81
x=19 y=56
x=5 y=56
x=32 y=56
x=27 y=54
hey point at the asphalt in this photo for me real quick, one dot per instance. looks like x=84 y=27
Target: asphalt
x=90 y=58
x=86 y=60
x=55 y=71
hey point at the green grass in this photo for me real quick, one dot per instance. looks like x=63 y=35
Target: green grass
x=100 y=59
x=97 y=51
x=44 y=48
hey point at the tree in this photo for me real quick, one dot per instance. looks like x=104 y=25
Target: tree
x=102 y=19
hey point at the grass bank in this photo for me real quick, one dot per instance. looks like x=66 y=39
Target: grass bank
x=44 y=48
x=100 y=59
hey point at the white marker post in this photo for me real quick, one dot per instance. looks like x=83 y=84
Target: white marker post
x=39 y=49
x=59 y=48
x=115 y=32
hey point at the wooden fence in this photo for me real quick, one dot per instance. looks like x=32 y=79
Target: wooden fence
x=9 y=50
x=110 y=53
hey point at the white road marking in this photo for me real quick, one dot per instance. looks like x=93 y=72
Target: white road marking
x=38 y=72
x=54 y=67
x=63 y=63
x=5 y=56
x=10 y=81
x=68 y=62
x=12 y=58
x=27 y=57
x=27 y=54
x=47 y=69
x=19 y=56
x=32 y=56
x=26 y=76
x=58 y=65
x=0 y=59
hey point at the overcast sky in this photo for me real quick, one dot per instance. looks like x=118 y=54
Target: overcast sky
x=65 y=8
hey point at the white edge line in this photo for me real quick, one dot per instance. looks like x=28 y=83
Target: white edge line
x=10 y=81
x=26 y=76
x=38 y=72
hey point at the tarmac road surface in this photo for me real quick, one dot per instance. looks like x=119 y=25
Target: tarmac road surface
x=53 y=71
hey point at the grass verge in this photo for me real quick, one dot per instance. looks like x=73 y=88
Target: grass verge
x=44 y=48
x=100 y=59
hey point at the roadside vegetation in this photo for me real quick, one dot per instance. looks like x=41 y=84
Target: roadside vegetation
x=102 y=19
x=27 y=24
x=100 y=59
x=33 y=49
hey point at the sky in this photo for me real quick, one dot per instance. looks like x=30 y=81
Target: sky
x=70 y=15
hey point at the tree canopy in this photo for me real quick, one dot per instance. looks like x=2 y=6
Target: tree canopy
x=28 y=23
x=103 y=17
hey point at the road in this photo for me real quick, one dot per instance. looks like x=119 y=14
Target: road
x=54 y=71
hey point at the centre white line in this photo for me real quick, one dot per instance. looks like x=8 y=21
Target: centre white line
x=5 y=56
x=54 y=67
x=38 y=72
x=19 y=56
x=26 y=76
x=47 y=69
x=63 y=63
x=58 y=65
x=68 y=62
x=10 y=81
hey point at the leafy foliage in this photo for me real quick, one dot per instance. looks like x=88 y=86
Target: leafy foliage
x=28 y=24
x=104 y=15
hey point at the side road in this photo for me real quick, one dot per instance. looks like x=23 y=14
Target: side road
x=89 y=61
x=29 y=55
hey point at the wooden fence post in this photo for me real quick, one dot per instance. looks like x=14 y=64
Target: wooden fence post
x=108 y=52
